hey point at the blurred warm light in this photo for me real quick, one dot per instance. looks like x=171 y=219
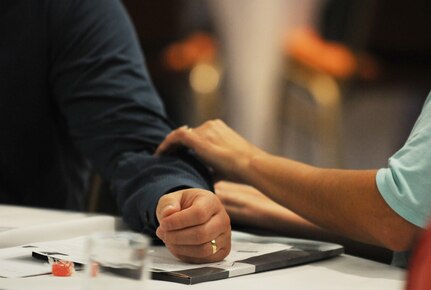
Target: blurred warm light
x=325 y=90
x=306 y=46
x=204 y=78
x=183 y=55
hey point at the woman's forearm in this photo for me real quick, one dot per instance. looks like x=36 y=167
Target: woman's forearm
x=344 y=201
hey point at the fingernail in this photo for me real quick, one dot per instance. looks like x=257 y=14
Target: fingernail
x=166 y=209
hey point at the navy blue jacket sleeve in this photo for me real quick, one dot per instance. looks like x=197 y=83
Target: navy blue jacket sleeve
x=113 y=113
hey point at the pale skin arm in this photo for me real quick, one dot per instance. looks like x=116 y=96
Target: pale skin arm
x=346 y=202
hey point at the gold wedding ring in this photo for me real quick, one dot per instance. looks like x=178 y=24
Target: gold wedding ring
x=214 y=246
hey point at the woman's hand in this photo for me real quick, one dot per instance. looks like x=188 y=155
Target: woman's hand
x=224 y=150
x=248 y=206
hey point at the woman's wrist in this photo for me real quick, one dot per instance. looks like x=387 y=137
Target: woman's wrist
x=254 y=161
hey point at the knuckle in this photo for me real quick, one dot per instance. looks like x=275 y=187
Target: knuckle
x=214 y=123
x=218 y=121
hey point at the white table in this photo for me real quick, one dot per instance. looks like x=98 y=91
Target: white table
x=343 y=272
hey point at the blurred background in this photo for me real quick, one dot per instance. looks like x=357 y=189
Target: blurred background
x=333 y=83
x=328 y=82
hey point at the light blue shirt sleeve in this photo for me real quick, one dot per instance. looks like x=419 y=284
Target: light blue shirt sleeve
x=406 y=184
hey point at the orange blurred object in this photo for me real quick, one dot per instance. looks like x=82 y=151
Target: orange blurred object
x=306 y=46
x=199 y=47
x=62 y=268
x=336 y=59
